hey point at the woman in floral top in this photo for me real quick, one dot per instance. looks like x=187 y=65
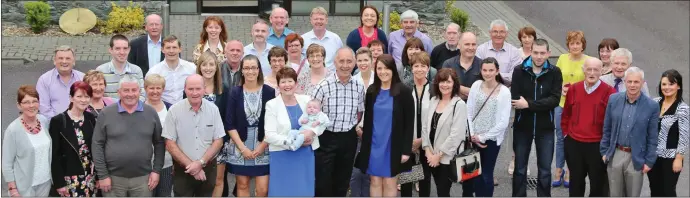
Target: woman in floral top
x=309 y=77
x=71 y=132
x=214 y=37
x=208 y=67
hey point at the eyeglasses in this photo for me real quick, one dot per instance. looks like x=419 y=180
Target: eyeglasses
x=250 y=68
x=29 y=102
x=498 y=32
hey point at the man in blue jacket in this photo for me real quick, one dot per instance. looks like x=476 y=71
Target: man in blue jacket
x=630 y=136
x=535 y=91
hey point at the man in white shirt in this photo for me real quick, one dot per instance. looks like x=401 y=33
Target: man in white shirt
x=259 y=47
x=173 y=69
x=319 y=35
x=621 y=59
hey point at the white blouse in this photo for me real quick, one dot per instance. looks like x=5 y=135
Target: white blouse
x=41 y=144
x=491 y=123
x=167 y=162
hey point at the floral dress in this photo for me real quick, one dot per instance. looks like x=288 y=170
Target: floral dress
x=82 y=185
x=223 y=154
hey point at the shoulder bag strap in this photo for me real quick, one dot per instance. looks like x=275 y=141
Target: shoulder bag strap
x=301 y=65
x=484 y=103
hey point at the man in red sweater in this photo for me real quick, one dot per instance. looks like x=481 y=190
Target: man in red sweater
x=582 y=122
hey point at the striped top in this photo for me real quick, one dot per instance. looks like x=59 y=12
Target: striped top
x=112 y=78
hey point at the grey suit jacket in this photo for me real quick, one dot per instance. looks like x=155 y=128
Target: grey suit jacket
x=450 y=131
x=18 y=155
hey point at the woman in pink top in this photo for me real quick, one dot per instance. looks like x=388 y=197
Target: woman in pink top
x=367 y=31
x=96 y=80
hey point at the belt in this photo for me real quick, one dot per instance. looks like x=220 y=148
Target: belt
x=623 y=148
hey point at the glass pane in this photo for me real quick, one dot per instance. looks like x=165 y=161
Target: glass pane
x=347 y=6
x=183 y=6
x=304 y=7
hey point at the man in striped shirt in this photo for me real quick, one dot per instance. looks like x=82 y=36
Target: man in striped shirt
x=342 y=99
x=118 y=67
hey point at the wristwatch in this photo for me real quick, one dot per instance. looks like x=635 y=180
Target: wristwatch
x=203 y=163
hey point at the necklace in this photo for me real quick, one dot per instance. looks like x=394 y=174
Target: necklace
x=32 y=129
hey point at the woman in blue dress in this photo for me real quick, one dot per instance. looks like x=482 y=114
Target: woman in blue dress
x=292 y=171
x=247 y=156
x=387 y=131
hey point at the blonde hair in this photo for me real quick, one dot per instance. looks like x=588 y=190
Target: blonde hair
x=154 y=79
x=94 y=75
x=319 y=10
x=364 y=50
x=217 y=79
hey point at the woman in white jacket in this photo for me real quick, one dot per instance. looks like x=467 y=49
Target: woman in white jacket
x=488 y=110
x=444 y=128
x=292 y=173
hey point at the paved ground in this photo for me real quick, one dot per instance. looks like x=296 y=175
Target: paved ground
x=655 y=32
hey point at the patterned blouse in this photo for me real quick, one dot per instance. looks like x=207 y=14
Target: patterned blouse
x=304 y=80
x=220 y=54
x=673 y=130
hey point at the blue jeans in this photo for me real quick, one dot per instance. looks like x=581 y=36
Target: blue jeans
x=484 y=185
x=560 y=153
x=522 y=144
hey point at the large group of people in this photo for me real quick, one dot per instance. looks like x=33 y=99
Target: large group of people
x=308 y=115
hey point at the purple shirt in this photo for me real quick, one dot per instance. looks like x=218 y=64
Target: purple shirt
x=53 y=93
x=397 y=40
x=508 y=57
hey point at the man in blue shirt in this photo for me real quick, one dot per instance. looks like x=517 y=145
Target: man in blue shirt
x=276 y=34
x=630 y=136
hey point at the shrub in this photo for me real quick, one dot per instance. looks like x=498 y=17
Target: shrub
x=394 y=21
x=460 y=17
x=449 y=5
x=37 y=15
x=123 y=19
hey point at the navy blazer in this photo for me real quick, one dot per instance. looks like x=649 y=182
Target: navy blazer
x=354 y=41
x=644 y=133
x=236 y=119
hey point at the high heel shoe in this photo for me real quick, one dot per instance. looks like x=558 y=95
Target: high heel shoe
x=559 y=182
x=566 y=179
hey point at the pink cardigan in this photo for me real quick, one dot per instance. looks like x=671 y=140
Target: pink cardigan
x=106 y=101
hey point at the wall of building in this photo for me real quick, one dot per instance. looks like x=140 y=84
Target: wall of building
x=13 y=10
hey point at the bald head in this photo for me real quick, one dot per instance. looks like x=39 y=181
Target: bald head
x=154 y=25
x=194 y=78
x=279 y=18
x=468 y=44
x=234 y=51
x=592 y=69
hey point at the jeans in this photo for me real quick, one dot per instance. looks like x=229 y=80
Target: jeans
x=484 y=184
x=560 y=154
x=522 y=143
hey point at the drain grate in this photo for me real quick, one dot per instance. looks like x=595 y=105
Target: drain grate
x=531 y=183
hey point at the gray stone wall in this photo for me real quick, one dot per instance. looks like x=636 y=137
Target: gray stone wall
x=431 y=12
x=13 y=10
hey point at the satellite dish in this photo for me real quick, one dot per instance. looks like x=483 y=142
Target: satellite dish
x=77 y=21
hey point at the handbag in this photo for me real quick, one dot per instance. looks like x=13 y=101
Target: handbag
x=467 y=164
x=416 y=174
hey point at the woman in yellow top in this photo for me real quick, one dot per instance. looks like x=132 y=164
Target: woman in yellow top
x=571 y=69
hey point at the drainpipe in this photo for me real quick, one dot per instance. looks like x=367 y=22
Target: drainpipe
x=165 y=9
x=386 y=18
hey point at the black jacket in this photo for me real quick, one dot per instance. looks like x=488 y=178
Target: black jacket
x=401 y=132
x=66 y=160
x=542 y=92
x=139 y=53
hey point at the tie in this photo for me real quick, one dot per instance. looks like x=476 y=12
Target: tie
x=618 y=81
